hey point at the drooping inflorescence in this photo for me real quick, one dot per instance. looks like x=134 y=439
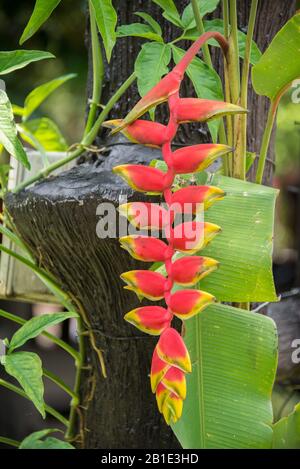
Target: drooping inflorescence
x=171 y=359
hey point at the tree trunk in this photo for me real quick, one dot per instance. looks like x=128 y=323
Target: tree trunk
x=58 y=220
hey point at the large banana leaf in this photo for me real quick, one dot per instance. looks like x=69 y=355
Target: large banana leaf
x=228 y=404
x=287 y=431
x=244 y=247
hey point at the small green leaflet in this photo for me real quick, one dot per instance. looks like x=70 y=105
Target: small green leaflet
x=151 y=21
x=35 y=326
x=106 y=19
x=16 y=59
x=41 y=12
x=35 y=98
x=170 y=11
x=206 y=6
x=139 y=30
x=8 y=131
x=26 y=368
x=37 y=440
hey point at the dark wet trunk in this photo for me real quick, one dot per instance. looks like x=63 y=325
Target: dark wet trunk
x=58 y=219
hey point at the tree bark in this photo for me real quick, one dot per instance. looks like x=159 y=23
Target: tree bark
x=58 y=219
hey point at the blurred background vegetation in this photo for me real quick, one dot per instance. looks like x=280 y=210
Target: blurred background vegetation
x=62 y=35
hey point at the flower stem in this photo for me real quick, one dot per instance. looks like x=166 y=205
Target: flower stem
x=98 y=71
x=241 y=148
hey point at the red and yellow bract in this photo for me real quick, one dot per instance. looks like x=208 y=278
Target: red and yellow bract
x=171 y=360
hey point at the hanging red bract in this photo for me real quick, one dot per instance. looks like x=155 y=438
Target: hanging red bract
x=171 y=360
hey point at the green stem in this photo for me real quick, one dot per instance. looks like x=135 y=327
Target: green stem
x=87 y=139
x=60 y=343
x=201 y=30
x=60 y=383
x=90 y=137
x=98 y=71
x=242 y=128
x=9 y=441
x=12 y=237
x=265 y=142
x=234 y=80
x=79 y=364
x=21 y=393
x=208 y=61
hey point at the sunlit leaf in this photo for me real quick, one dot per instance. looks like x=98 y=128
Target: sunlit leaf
x=106 y=18
x=34 y=326
x=228 y=404
x=36 y=97
x=16 y=59
x=41 y=12
x=8 y=131
x=26 y=368
x=46 y=132
x=280 y=63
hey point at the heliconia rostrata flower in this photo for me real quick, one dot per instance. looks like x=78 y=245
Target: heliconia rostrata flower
x=171 y=360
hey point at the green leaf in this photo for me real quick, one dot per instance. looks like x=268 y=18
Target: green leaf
x=206 y=81
x=35 y=326
x=151 y=21
x=170 y=11
x=4 y=170
x=138 y=30
x=244 y=246
x=35 y=98
x=35 y=441
x=106 y=18
x=8 y=131
x=41 y=12
x=45 y=132
x=151 y=64
x=250 y=158
x=16 y=59
x=286 y=432
x=26 y=368
x=280 y=63
x=228 y=404
x=218 y=25
x=18 y=110
x=188 y=17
